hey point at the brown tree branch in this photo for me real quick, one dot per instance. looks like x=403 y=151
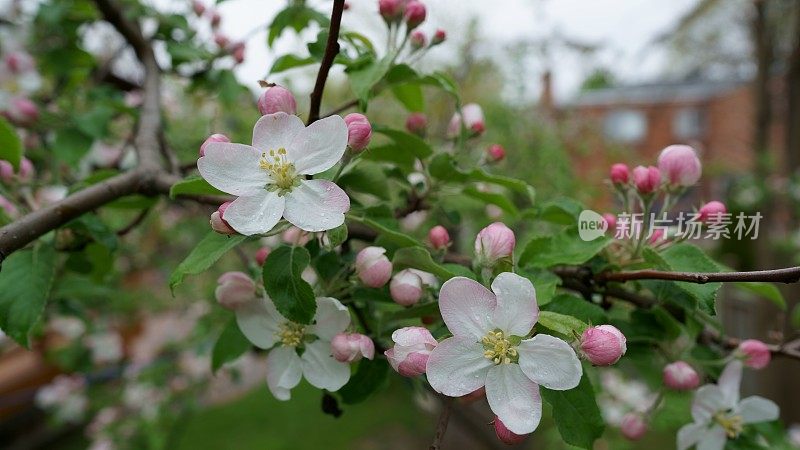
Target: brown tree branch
x=441 y=425
x=787 y=275
x=331 y=50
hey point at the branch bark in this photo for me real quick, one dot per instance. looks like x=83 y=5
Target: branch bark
x=441 y=425
x=331 y=50
x=787 y=275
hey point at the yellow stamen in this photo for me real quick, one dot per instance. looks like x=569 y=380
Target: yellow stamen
x=291 y=334
x=498 y=348
x=732 y=424
x=281 y=171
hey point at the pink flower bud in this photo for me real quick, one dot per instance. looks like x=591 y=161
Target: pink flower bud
x=646 y=179
x=221 y=40
x=620 y=174
x=217 y=221
x=6 y=172
x=505 y=435
x=213 y=138
x=351 y=347
x=412 y=346
x=494 y=242
x=406 y=287
x=633 y=426
x=415 y=14
x=656 y=237
x=417 y=123
x=261 y=255
x=680 y=165
x=8 y=208
x=48 y=195
x=438 y=37
x=712 y=212
x=391 y=10
x=603 y=345
x=19 y=62
x=237 y=51
x=373 y=267
x=680 y=376
x=277 y=99
x=215 y=18
x=496 y=152
x=417 y=40
x=198 y=7
x=755 y=353
x=26 y=170
x=346 y=6
x=296 y=236
x=359 y=131
x=22 y=112
x=439 y=237
x=234 y=289
x=473 y=121
x=611 y=221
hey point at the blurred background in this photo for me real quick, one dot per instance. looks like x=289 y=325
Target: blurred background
x=568 y=87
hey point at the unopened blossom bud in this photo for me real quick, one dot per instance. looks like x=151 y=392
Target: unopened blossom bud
x=19 y=62
x=8 y=208
x=494 y=242
x=505 y=435
x=417 y=123
x=277 y=99
x=415 y=14
x=6 y=172
x=213 y=138
x=712 y=212
x=656 y=237
x=296 y=236
x=346 y=6
x=438 y=37
x=680 y=376
x=216 y=18
x=620 y=174
x=611 y=221
x=391 y=10
x=496 y=152
x=221 y=40
x=373 y=267
x=646 y=179
x=439 y=237
x=418 y=40
x=633 y=426
x=680 y=165
x=350 y=347
x=603 y=345
x=473 y=121
x=261 y=255
x=237 y=51
x=406 y=287
x=26 y=170
x=218 y=223
x=359 y=131
x=22 y=112
x=234 y=289
x=412 y=347
x=755 y=353
x=198 y=7
x=48 y=195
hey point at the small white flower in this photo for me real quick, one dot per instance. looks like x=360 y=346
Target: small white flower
x=269 y=176
x=720 y=415
x=265 y=327
x=488 y=348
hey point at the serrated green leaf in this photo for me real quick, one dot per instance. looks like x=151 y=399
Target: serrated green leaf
x=576 y=414
x=10 y=144
x=205 y=254
x=443 y=167
x=407 y=142
x=764 y=290
x=396 y=237
x=193 y=185
x=564 y=248
x=493 y=198
x=562 y=324
x=25 y=281
x=419 y=258
x=410 y=95
x=230 y=345
x=337 y=236
x=287 y=62
x=570 y=305
x=368 y=178
x=282 y=274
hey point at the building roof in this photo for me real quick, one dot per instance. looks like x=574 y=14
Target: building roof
x=681 y=91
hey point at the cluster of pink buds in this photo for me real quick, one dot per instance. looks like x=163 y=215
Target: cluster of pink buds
x=678 y=168
x=471 y=118
x=23 y=175
x=412 y=12
x=419 y=39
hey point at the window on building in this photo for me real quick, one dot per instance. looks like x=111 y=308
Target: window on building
x=689 y=123
x=625 y=125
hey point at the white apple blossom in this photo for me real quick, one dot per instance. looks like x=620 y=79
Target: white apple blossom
x=266 y=328
x=720 y=415
x=269 y=176
x=489 y=348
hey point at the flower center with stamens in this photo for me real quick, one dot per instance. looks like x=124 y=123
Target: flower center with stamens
x=281 y=170
x=732 y=424
x=498 y=348
x=291 y=334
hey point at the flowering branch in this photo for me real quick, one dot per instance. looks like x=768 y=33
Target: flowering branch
x=331 y=50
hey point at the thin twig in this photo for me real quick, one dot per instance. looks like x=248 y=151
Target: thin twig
x=441 y=425
x=134 y=223
x=331 y=50
x=787 y=275
x=341 y=108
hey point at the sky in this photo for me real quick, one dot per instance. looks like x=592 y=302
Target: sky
x=622 y=27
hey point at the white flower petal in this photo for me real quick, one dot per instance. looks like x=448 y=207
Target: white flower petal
x=467 y=307
x=321 y=369
x=516 y=310
x=514 y=398
x=283 y=371
x=331 y=318
x=316 y=205
x=259 y=322
x=319 y=146
x=707 y=401
x=689 y=434
x=729 y=382
x=256 y=214
x=714 y=439
x=233 y=168
x=457 y=366
x=550 y=361
x=275 y=131
x=758 y=409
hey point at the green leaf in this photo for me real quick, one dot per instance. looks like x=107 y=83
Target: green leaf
x=287 y=62
x=193 y=185
x=230 y=345
x=410 y=95
x=444 y=82
x=765 y=290
x=72 y=145
x=545 y=283
x=406 y=142
x=563 y=211
x=419 y=258
x=25 y=281
x=563 y=248
x=282 y=271
x=368 y=178
x=494 y=198
x=576 y=414
x=205 y=254
x=444 y=168
x=686 y=257
x=425 y=309
x=10 y=144
x=562 y=324
x=369 y=377
x=337 y=236
x=95 y=122
x=395 y=237
x=570 y=305
x=298 y=17
x=364 y=79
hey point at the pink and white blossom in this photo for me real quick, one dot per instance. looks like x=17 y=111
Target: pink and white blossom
x=216 y=137
x=494 y=242
x=373 y=267
x=439 y=237
x=488 y=348
x=412 y=347
x=712 y=212
x=680 y=165
x=646 y=179
x=473 y=121
x=755 y=353
x=633 y=426
x=359 y=131
x=268 y=177
x=65 y=397
x=719 y=414
x=408 y=285
x=603 y=345
x=350 y=347
x=680 y=376
x=218 y=222
x=277 y=99
x=234 y=289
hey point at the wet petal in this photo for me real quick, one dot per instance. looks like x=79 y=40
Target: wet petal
x=283 y=372
x=321 y=369
x=514 y=398
x=259 y=321
x=331 y=318
x=232 y=168
x=319 y=146
x=550 y=361
x=316 y=205
x=467 y=307
x=275 y=131
x=516 y=310
x=256 y=214
x=457 y=367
